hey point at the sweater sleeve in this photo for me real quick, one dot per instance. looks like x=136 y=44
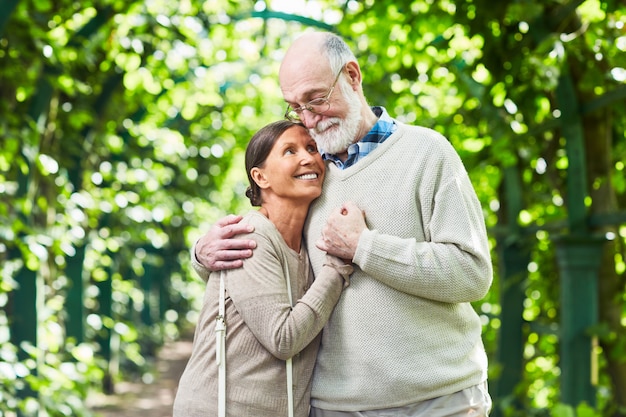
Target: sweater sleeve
x=202 y=272
x=452 y=265
x=259 y=293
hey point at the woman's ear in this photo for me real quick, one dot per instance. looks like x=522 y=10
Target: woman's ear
x=259 y=177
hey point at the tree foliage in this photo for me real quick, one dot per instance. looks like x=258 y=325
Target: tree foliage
x=123 y=126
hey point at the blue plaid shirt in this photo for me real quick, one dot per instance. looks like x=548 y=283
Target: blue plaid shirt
x=383 y=128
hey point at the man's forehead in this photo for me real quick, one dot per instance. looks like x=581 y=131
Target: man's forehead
x=305 y=64
x=301 y=77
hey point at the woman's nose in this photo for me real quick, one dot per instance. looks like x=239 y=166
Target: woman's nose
x=307 y=158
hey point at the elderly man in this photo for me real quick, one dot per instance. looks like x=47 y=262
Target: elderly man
x=404 y=339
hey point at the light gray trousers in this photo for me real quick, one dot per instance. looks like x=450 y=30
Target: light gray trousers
x=471 y=402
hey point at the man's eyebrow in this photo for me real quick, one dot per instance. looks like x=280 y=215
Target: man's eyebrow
x=309 y=93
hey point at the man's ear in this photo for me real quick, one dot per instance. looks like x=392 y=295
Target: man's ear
x=354 y=71
x=259 y=177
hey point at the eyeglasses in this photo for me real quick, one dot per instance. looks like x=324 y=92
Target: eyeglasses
x=315 y=106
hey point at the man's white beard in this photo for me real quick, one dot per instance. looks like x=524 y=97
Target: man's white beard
x=342 y=132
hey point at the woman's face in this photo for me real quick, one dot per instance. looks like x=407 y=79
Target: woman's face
x=294 y=168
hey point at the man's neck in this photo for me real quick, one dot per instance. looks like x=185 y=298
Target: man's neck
x=342 y=156
x=368 y=123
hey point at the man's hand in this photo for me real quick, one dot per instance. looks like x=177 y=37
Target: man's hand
x=341 y=234
x=216 y=250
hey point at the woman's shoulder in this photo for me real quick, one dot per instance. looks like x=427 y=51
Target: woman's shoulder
x=255 y=218
x=266 y=234
x=262 y=225
x=269 y=241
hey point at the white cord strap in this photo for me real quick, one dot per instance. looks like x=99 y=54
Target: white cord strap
x=289 y=362
x=220 y=350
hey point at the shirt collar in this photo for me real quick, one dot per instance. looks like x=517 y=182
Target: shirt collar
x=382 y=129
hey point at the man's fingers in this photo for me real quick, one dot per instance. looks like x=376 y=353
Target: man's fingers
x=233 y=245
x=223 y=258
x=230 y=255
x=218 y=266
x=227 y=220
x=228 y=231
x=229 y=259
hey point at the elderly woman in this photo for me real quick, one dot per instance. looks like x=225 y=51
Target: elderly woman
x=274 y=310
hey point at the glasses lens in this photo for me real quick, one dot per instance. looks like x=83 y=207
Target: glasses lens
x=318 y=106
x=292 y=115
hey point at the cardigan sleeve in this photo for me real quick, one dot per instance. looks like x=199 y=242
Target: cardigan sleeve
x=259 y=293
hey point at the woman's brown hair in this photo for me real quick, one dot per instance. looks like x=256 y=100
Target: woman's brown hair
x=259 y=149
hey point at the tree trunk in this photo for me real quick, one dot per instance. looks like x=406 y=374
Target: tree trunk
x=598 y=142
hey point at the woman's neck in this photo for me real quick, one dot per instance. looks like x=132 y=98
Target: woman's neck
x=289 y=221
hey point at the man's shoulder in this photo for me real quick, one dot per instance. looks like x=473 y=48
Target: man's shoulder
x=421 y=136
x=422 y=131
x=427 y=142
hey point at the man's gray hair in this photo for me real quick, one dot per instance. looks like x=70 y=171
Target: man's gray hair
x=337 y=51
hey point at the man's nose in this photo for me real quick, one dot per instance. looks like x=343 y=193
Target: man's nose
x=309 y=119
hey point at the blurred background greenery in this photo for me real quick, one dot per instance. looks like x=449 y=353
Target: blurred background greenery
x=122 y=128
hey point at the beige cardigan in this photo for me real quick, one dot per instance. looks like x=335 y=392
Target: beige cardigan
x=262 y=331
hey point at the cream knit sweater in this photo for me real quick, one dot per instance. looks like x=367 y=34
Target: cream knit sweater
x=404 y=331
x=262 y=330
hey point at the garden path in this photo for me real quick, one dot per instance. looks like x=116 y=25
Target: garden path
x=132 y=399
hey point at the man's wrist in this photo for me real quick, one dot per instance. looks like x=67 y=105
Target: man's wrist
x=362 y=246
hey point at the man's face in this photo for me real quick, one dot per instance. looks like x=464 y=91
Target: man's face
x=335 y=133
x=337 y=126
x=303 y=79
